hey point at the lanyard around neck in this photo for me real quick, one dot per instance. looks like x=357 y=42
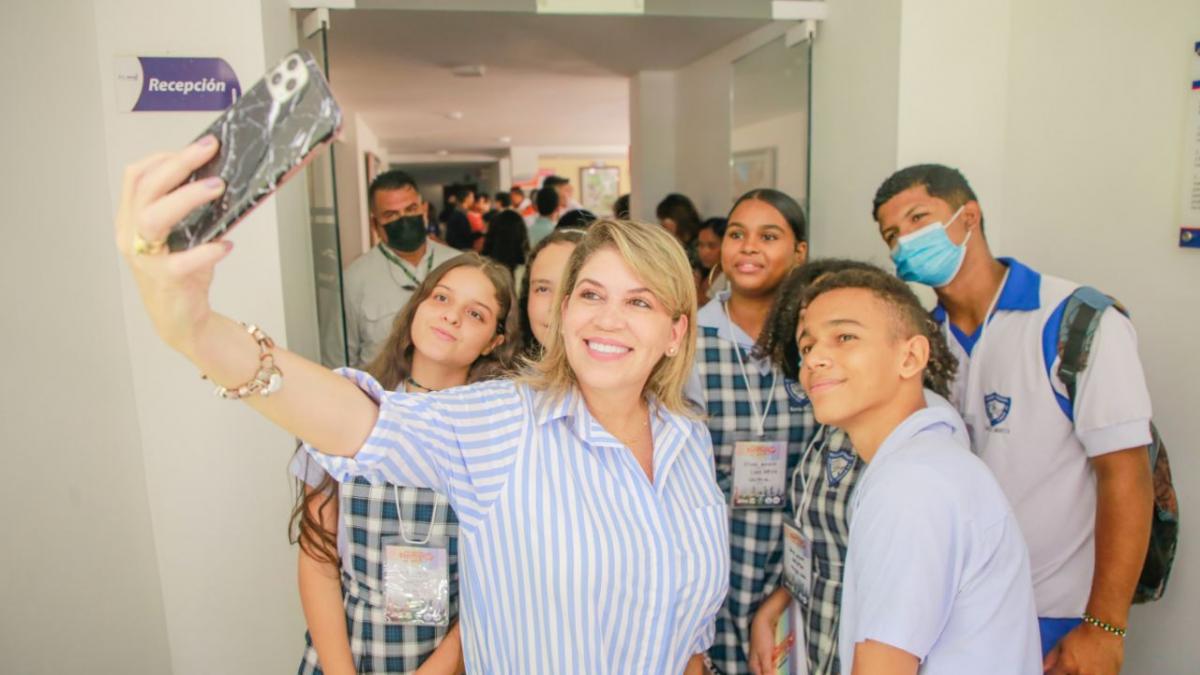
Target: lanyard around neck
x=437 y=503
x=760 y=421
x=392 y=258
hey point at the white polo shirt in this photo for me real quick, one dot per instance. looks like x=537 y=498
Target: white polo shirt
x=936 y=565
x=1022 y=425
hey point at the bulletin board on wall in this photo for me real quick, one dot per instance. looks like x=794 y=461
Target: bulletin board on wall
x=599 y=187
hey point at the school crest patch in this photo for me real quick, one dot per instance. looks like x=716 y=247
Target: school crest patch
x=996 y=407
x=795 y=392
x=838 y=465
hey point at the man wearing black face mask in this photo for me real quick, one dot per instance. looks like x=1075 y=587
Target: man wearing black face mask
x=380 y=283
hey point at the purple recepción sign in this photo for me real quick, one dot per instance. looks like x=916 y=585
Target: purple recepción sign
x=158 y=83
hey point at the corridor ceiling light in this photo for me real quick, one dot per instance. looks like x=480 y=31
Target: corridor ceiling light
x=443 y=152
x=505 y=139
x=454 y=115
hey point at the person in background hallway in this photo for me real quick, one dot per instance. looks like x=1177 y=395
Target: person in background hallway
x=459 y=233
x=751 y=407
x=1077 y=475
x=521 y=204
x=483 y=203
x=343 y=529
x=566 y=192
x=451 y=203
x=621 y=207
x=500 y=202
x=678 y=215
x=937 y=577
x=507 y=242
x=380 y=282
x=548 y=207
x=575 y=219
x=710 y=280
x=602 y=412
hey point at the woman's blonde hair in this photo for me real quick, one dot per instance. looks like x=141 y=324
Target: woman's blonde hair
x=657 y=258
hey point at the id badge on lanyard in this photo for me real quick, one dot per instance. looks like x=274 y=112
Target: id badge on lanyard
x=759 y=474
x=797 y=563
x=416 y=576
x=759 y=466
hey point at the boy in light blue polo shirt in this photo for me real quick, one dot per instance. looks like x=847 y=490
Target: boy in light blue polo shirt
x=937 y=577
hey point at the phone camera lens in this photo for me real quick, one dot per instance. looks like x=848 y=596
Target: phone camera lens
x=276 y=79
x=292 y=63
x=291 y=84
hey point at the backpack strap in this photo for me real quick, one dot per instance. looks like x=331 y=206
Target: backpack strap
x=1080 y=320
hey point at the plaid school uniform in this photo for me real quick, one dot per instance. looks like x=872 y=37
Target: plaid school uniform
x=821 y=485
x=368 y=515
x=755 y=534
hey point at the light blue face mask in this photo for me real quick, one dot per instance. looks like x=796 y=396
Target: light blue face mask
x=928 y=257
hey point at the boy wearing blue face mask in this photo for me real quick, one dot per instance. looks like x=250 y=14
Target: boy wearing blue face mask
x=1077 y=476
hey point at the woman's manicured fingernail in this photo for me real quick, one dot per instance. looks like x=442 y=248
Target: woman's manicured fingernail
x=213 y=183
x=208 y=141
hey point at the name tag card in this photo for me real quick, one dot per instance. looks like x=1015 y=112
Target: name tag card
x=759 y=474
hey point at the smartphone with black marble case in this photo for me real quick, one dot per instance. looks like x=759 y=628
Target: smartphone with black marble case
x=266 y=136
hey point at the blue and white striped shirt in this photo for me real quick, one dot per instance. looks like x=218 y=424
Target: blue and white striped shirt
x=571 y=560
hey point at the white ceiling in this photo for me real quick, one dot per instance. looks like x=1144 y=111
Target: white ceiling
x=550 y=80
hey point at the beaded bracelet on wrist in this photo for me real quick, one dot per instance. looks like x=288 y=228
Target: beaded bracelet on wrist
x=1106 y=627
x=268 y=379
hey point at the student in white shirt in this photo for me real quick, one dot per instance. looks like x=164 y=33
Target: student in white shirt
x=1077 y=476
x=594 y=534
x=937 y=576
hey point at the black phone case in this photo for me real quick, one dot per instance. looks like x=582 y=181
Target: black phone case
x=262 y=143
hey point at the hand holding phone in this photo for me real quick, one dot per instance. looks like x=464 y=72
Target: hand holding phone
x=265 y=137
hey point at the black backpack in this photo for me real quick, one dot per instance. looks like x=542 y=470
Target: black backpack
x=1081 y=318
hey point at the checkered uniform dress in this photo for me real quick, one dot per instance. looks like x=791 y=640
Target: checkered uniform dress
x=368 y=515
x=821 y=485
x=755 y=534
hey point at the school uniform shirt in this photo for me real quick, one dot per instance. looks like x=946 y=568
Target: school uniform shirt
x=719 y=385
x=821 y=488
x=572 y=560
x=936 y=565
x=376 y=288
x=367 y=515
x=1024 y=428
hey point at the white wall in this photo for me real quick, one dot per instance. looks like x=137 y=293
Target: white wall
x=787 y=134
x=350 y=167
x=1093 y=137
x=1068 y=118
x=291 y=204
x=855 y=94
x=216 y=476
x=652 y=115
x=680 y=129
x=79 y=574
x=953 y=104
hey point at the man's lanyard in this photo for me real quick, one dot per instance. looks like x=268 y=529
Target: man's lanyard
x=403 y=268
x=760 y=421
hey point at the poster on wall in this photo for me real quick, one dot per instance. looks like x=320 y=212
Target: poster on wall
x=172 y=83
x=752 y=169
x=1189 y=231
x=599 y=188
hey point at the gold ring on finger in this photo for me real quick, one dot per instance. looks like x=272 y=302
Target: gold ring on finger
x=143 y=247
